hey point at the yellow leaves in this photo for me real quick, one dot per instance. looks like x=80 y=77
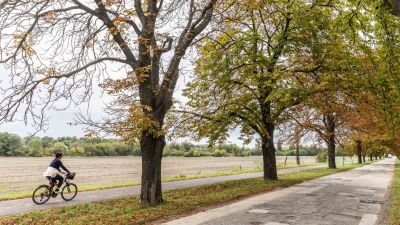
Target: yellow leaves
x=48 y=74
x=112 y=2
x=250 y=5
x=131 y=12
x=24 y=42
x=52 y=72
x=119 y=26
x=46 y=81
x=50 y=17
x=113 y=30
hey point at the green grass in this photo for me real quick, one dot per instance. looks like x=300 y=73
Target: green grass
x=19 y=195
x=177 y=202
x=394 y=216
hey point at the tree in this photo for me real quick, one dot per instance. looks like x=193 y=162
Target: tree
x=10 y=145
x=56 y=50
x=36 y=148
x=59 y=147
x=293 y=132
x=246 y=74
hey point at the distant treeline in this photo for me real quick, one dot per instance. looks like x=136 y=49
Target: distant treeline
x=14 y=145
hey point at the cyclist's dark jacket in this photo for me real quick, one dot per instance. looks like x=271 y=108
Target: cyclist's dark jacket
x=56 y=163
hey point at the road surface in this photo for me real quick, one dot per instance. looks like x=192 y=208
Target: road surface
x=350 y=198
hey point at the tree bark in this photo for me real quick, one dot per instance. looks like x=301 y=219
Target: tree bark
x=269 y=160
x=370 y=157
x=393 y=5
x=297 y=154
x=359 y=151
x=331 y=153
x=363 y=157
x=152 y=148
x=330 y=125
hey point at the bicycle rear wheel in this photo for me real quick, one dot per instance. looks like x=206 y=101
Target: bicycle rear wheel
x=41 y=195
x=69 y=192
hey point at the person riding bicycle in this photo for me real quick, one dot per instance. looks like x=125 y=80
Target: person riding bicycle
x=53 y=172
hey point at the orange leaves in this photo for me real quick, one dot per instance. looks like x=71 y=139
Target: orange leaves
x=91 y=134
x=120 y=19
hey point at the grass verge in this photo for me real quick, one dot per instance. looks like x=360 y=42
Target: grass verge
x=394 y=215
x=235 y=171
x=177 y=202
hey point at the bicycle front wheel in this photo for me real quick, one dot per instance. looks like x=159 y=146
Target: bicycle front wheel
x=69 y=192
x=41 y=195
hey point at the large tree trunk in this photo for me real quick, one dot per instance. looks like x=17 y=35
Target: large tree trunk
x=330 y=126
x=269 y=160
x=370 y=157
x=359 y=151
x=152 y=148
x=331 y=153
x=363 y=157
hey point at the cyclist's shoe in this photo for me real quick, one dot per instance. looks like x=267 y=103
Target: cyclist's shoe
x=57 y=190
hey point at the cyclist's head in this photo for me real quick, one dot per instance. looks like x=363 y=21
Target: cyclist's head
x=58 y=155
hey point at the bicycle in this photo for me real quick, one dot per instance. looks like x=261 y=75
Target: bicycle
x=68 y=192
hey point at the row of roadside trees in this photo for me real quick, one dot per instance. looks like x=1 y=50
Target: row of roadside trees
x=326 y=67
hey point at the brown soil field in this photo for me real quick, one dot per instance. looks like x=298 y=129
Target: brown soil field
x=23 y=174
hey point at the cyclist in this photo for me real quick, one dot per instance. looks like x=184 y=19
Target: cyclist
x=53 y=172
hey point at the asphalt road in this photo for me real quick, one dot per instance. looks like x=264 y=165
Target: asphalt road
x=353 y=197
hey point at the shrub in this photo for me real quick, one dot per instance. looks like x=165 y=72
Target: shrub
x=322 y=157
x=192 y=153
x=220 y=153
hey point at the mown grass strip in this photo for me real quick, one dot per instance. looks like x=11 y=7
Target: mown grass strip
x=394 y=216
x=19 y=195
x=177 y=202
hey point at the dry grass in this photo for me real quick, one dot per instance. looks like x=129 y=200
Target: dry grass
x=24 y=174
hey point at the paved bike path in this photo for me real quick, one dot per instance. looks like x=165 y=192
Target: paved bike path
x=353 y=197
x=19 y=206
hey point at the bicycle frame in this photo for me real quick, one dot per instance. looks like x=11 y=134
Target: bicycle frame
x=53 y=184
